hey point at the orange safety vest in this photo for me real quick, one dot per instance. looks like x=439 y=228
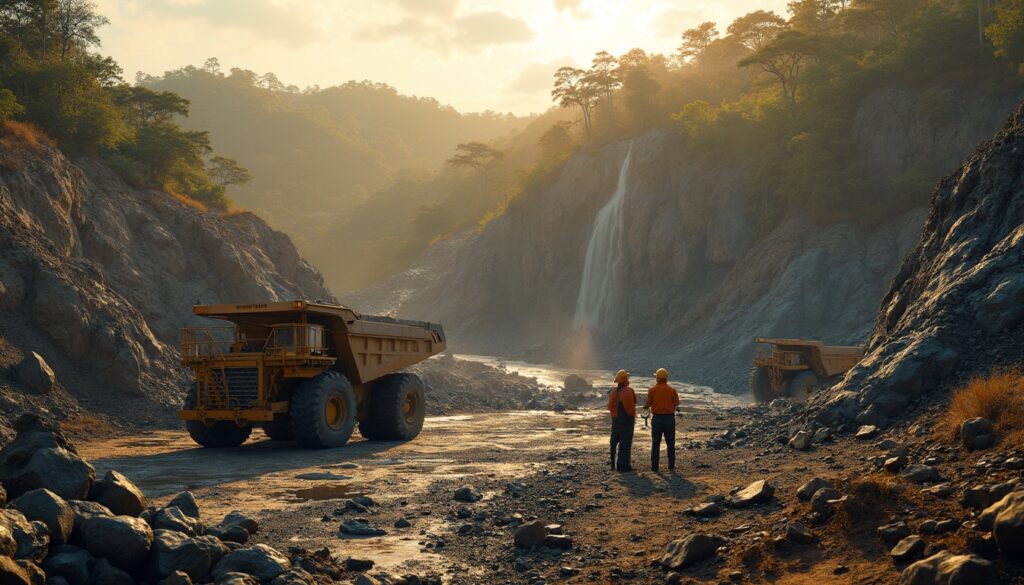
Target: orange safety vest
x=662 y=399
x=628 y=399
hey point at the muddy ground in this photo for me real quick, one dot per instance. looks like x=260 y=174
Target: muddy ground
x=620 y=523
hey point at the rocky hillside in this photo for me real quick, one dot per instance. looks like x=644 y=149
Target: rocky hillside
x=956 y=306
x=97 y=278
x=696 y=278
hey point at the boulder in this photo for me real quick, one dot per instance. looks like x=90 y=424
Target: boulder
x=797 y=533
x=34 y=374
x=908 y=549
x=83 y=510
x=807 y=490
x=176 y=578
x=756 y=493
x=104 y=573
x=360 y=527
x=562 y=541
x=822 y=502
x=41 y=457
x=236 y=518
x=945 y=568
x=529 y=535
x=576 y=384
x=11 y=573
x=123 y=540
x=186 y=502
x=173 y=551
x=172 y=518
x=237 y=579
x=50 y=509
x=920 y=473
x=358 y=564
x=3 y=495
x=822 y=434
x=73 y=564
x=692 y=549
x=31 y=538
x=35 y=573
x=801 y=441
x=1008 y=525
x=467 y=493
x=977 y=433
x=893 y=533
x=8 y=546
x=118 y=494
x=300 y=577
x=866 y=432
x=260 y=561
x=235 y=527
x=896 y=464
x=982 y=496
x=707 y=510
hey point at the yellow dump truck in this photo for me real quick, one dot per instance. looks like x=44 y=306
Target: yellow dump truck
x=307 y=371
x=794 y=367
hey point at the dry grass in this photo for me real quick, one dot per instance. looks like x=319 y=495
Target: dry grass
x=25 y=134
x=188 y=201
x=235 y=211
x=998 y=396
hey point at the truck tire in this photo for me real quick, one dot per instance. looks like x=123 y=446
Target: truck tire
x=397 y=409
x=279 y=429
x=323 y=411
x=800 y=387
x=760 y=384
x=223 y=433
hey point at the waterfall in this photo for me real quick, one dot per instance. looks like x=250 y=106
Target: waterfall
x=604 y=255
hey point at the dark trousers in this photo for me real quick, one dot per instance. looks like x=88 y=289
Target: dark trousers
x=622 y=438
x=663 y=425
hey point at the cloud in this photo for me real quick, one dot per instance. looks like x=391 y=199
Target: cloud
x=292 y=24
x=574 y=7
x=490 y=28
x=470 y=33
x=536 y=77
x=671 y=23
x=429 y=7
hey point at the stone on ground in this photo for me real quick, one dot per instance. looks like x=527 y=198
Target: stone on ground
x=11 y=573
x=808 y=489
x=529 y=535
x=173 y=551
x=945 y=568
x=467 y=493
x=104 y=573
x=31 y=538
x=72 y=563
x=977 y=433
x=920 y=473
x=692 y=549
x=50 y=509
x=35 y=374
x=118 y=494
x=797 y=533
x=866 y=432
x=41 y=457
x=123 y=540
x=756 y=493
x=801 y=441
x=186 y=502
x=260 y=561
x=172 y=518
x=1008 y=525
x=909 y=549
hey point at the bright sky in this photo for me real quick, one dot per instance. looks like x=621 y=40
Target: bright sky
x=498 y=54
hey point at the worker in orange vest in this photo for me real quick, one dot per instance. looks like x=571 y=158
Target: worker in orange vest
x=622 y=405
x=662 y=399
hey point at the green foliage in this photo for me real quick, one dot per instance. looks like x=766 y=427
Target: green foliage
x=1007 y=31
x=9 y=106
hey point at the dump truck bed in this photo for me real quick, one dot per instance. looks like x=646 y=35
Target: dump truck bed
x=367 y=346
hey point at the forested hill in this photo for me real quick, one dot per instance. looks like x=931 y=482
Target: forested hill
x=316 y=152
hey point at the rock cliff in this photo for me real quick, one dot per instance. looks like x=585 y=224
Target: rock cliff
x=697 y=278
x=98 y=277
x=956 y=306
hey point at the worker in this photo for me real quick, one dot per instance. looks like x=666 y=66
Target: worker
x=622 y=405
x=662 y=399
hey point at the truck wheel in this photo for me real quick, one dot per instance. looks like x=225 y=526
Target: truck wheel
x=397 y=409
x=323 y=411
x=760 y=384
x=279 y=429
x=223 y=433
x=800 y=387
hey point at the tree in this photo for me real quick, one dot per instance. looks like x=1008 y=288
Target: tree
x=271 y=82
x=812 y=15
x=696 y=42
x=755 y=30
x=605 y=75
x=557 y=141
x=575 y=88
x=227 y=171
x=9 y=106
x=641 y=88
x=76 y=22
x=477 y=156
x=212 y=66
x=1007 y=31
x=784 y=58
x=144 y=107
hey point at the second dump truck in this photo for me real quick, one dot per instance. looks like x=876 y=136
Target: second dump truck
x=793 y=367
x=307 y=371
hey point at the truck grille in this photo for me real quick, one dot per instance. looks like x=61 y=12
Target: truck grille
x=243 y=386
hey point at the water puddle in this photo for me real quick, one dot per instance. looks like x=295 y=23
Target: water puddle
x=320 y=493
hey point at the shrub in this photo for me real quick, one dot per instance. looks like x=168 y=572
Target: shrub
x=998 y=396
x=26 y=134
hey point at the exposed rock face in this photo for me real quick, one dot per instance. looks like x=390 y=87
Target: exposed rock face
x=956 y=307
x=696 y=280
x=102 y=276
